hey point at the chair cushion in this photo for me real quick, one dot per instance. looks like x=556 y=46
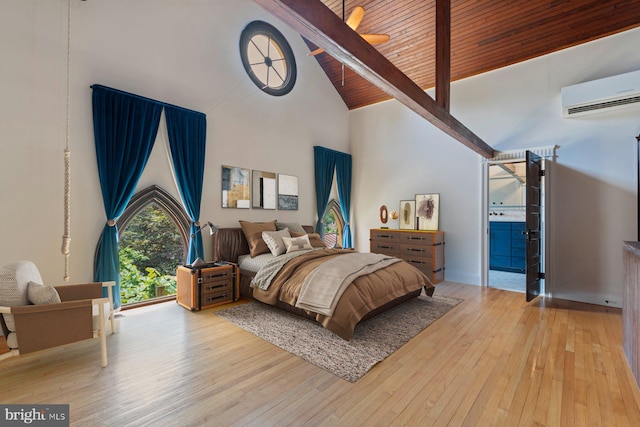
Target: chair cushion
x=38 y=293
x=14 y=284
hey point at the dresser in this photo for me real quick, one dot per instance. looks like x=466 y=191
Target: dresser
x=200 y=288
x=422 y=249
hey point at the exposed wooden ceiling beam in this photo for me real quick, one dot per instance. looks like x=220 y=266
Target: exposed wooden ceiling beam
x=319 y=24
x=443 y=53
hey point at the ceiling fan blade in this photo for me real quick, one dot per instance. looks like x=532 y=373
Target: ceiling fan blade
x=356 y=17
x=315 y=52
x=376 y=38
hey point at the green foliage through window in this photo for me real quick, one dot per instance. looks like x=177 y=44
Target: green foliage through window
x=332 y=224
x=151 y=249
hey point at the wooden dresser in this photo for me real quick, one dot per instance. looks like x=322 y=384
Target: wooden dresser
x=200 y=288
x=422 y=249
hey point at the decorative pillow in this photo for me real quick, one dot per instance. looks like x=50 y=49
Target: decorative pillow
x=314 y=238
x=253 y=233
x=40 y=294
x=297 y=243
x=14 y=281
x=293 y=227
x=274 y=242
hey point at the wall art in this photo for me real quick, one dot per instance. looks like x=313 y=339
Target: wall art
x=407 y=219
x=427 y=207
x=263 y=193
x=287 y=192
x=235 y=187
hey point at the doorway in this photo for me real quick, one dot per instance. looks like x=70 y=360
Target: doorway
x=507 y=215
x=510 y=233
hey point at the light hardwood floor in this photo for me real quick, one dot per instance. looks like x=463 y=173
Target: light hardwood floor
x=493 y=360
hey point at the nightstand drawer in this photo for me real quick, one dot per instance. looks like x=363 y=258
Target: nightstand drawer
x=216 y=298
x=216 y=274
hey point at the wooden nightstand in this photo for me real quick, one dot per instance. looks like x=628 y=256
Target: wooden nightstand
x=205 y=287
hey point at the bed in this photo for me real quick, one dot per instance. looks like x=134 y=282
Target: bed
x=367 y=296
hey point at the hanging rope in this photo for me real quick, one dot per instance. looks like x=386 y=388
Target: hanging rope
x=66 y=238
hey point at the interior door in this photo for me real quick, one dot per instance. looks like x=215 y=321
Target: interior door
x=533 y=224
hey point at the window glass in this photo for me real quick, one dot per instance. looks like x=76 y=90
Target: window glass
x=333 y=224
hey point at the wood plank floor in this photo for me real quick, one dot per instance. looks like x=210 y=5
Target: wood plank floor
x=493 y=360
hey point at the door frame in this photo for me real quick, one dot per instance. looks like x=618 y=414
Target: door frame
x=548 y=153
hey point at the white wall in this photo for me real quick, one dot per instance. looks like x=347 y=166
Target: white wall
x=180 y=52
x=397 y=154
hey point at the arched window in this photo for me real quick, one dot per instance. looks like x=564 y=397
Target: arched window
x=154 y=234
x=333 y=224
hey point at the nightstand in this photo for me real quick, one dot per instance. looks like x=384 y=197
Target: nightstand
x=207 y=286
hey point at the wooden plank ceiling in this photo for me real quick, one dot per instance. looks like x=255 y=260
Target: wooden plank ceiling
x=485 y=35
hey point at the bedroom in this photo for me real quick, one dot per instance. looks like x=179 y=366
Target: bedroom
x=125 y=46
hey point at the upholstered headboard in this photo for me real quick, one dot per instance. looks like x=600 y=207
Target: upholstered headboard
x=229 y=243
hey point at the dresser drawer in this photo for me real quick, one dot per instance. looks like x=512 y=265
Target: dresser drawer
x=388 y=248
x=384 y=236
x=415 y=251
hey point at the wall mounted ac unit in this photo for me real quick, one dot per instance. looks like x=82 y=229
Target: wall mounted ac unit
x=601 y=95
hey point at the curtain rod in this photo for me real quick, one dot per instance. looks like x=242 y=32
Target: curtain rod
x=164 y=104
x=334 y=151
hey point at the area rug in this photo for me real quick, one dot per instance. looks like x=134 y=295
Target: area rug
x=372 y=342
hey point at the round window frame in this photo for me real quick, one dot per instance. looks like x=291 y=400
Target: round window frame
x=261 y=28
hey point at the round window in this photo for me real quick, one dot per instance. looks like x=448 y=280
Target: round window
x=267 y=58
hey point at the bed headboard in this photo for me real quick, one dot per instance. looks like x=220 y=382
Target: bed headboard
x=229 y=243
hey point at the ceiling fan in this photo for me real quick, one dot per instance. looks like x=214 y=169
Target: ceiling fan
x=353 y=21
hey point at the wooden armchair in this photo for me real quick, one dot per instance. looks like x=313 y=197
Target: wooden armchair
x=34 y=317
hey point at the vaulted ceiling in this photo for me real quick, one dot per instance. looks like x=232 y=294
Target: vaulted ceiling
x=485 y=35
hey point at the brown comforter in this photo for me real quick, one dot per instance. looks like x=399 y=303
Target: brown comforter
x=365 y=294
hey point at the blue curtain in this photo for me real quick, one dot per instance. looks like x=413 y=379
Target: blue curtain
x=124 y=127
x=343 y=171
x=187 y=134
x=324 y=163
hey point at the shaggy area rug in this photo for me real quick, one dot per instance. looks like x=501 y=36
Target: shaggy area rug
x=372 y=341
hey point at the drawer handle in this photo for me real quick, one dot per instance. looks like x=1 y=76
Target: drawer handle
x=214 y=275
x=416 y=262
x=384 y=247
x=415 y=238
x=216 y=297
x=218 y=286
x=415 y=250
x=385 y=236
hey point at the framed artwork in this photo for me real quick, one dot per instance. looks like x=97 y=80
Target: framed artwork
x=427 y=207
x=407 y=217
x=287 y=192
x=263 y=192
x=235 y=187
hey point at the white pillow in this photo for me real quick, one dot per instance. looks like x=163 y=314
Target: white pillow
x=40 y=294
x=297 y=243
x=274 y=242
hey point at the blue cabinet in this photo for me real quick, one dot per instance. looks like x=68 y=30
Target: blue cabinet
x=507 y=246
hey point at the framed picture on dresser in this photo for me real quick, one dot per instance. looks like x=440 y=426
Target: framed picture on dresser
x=427 y=207
x=407 y=216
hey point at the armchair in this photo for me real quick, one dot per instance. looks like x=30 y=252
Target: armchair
x=35 y=317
